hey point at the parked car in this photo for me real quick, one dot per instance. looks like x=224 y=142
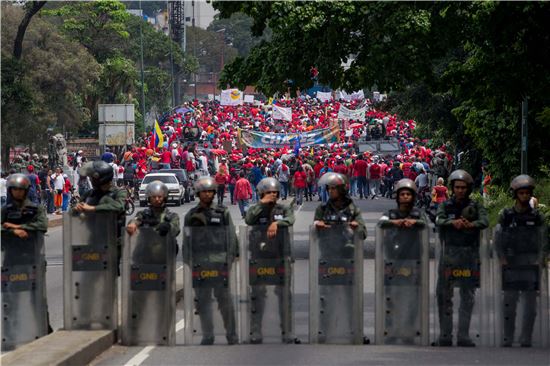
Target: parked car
x=175 y=190
x=185 y=181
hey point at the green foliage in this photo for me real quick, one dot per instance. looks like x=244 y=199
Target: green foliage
x=48 y=87
x=209 y=47
x=100 y=26
x=238 y=32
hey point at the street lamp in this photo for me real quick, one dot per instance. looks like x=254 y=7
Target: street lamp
x=221 y=32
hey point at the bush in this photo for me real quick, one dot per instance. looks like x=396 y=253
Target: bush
x=500 y=198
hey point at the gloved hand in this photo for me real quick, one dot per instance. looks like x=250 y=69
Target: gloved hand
x=163 y=228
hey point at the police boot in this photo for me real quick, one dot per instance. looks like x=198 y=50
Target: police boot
x=463 y=339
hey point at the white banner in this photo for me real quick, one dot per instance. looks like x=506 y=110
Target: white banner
x=357 y=95
x=324 y=96
x=282 y=113
x=249 y=99
x=376 y=96
x=231 y=97
x=357 y=114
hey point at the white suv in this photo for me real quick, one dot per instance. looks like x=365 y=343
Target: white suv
x=175 y=190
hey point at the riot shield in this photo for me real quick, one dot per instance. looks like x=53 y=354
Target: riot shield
x=210 y=280
x=336 y=285
x=24 y=309
x=463 y=287
x=266 y=285
x=90 y=270
x=521 y=286
x=402 y=286
x=148 y=289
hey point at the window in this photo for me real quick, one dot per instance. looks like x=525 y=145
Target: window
x=166 y=179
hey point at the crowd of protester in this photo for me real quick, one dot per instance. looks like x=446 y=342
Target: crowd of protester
x=202 y=139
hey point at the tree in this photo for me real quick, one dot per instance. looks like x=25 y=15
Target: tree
x=46 y=87
x=455 y=56
x=237 y=32
x=210 y=47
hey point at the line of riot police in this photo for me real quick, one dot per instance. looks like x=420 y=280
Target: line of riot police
x=250 y=275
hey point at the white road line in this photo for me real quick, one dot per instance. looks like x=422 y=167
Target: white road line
x=180 y=325
x=140 y=357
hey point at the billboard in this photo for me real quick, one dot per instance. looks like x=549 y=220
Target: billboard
x=112 y=134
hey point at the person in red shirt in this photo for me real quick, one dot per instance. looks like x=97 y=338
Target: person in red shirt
x=165 y=159
x=300 y=184
x=360 y=169
x=243 y=193
x=375 y=173
x=340 y=167
x=440 y=193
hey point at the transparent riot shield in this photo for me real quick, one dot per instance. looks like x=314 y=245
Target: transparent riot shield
x=266 y=285
x=521 y=286
x=24 y=309
x=90 y=270
x=336 y=285
x=210 y=285
x=148 y=289
x=463 y=301
x=402 y=286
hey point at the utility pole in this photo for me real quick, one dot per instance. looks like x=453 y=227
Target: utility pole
x=524 y=134
x=194 y=45
x=142 y=71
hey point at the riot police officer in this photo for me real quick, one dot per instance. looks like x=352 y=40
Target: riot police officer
x=149 y=311
x=157 y=215
x=519 y=244
x=339 y=224
x=460 y=221
x=23 y=226
x=402 y=252
x=339 y=208
x=103 y=196
x=269 y=239
x=20 y=215
x=210 y=242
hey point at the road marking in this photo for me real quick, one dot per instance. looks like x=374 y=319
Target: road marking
x=180 y=325
x=140 y=357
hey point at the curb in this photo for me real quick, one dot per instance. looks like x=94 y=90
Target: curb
x=56 y=221
x=62 y=348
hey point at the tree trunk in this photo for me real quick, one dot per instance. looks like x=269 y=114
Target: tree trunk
x=5 y=157
x=29 y=13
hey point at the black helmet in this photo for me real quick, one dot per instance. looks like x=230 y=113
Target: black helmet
x=462 y=175
x=268 y=185
x=404 y=183
x=99 y=172
x=521 y=182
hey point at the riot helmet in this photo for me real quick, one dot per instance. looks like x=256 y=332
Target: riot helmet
x=464 y=176
x=20 y=181
x=337 y=180
x=205 y=184
x=405 y=183
x=522 y=181
x=269 y=184
x=99 y=172
x=156 y=188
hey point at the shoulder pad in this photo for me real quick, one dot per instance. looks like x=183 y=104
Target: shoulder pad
x=393 y=214
x=507 y=214
x=415 y=213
